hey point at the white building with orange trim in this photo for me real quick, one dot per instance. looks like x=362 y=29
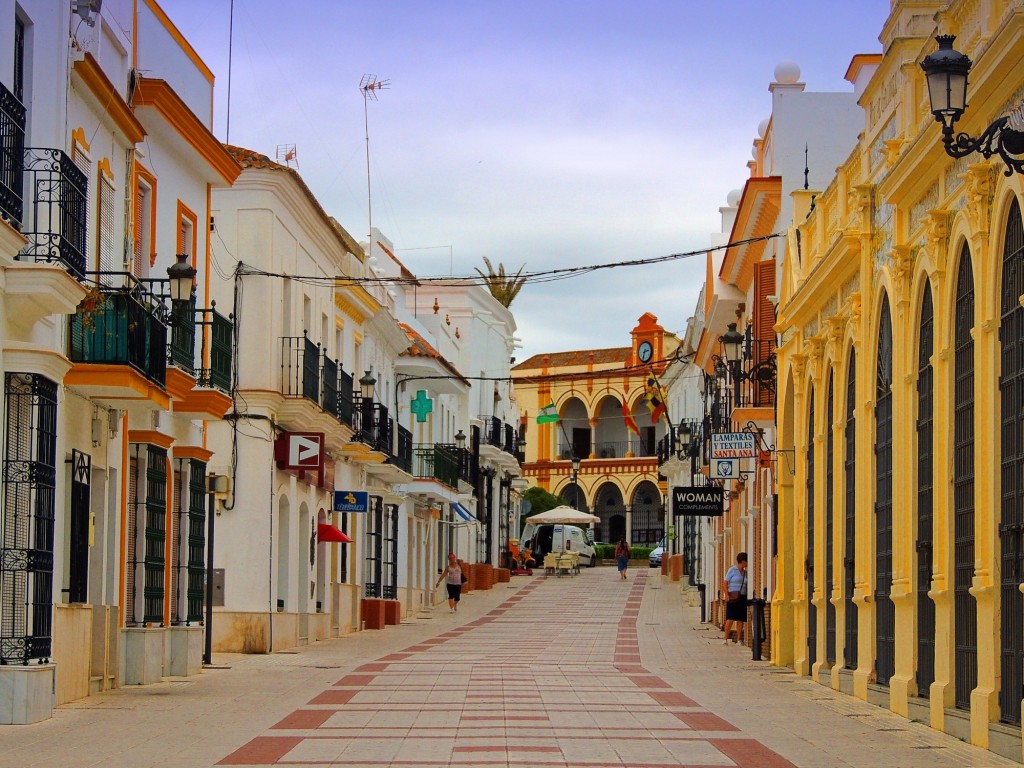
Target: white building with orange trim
x=107 y=388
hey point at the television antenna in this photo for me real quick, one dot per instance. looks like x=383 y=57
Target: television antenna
x=370 y=85
x=288 y=155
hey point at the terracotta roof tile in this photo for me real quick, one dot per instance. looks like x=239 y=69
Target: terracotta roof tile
x=580 y=357
x=420 y=347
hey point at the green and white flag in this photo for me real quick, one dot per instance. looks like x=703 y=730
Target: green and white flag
x=547 y=414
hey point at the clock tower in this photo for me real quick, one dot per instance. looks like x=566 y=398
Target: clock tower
x=648 y=343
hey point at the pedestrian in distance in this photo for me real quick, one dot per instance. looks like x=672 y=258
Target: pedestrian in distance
x=452 y=576
x=734 y=586
x=622 y=557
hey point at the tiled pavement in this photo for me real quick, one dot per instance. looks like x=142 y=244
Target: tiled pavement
x=589 y=672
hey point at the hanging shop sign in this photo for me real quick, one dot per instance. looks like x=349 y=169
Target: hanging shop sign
x=732 y=445
x=351 y=501
x=725 y=469
x=300 y=451
x=705 y=500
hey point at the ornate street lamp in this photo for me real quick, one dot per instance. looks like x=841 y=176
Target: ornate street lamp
x=685 y=433
x=946 y=71
x=366 y=384
x=181 y=278
x=732 y=342
x=460 y=439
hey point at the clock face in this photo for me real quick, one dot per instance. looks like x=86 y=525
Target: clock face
x=645 y=351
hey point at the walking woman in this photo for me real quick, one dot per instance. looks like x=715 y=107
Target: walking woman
x=735 y=587
x=622 y=557
x=452 y=576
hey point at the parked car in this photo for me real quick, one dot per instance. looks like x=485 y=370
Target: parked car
x=656 y=554
x=551 y=537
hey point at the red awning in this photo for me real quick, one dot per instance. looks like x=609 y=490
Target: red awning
x=325 y=532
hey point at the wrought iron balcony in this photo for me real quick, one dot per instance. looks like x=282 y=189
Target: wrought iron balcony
x=498 y=434
x=213 y=369
x=372 y=425
x=345 y=407
x=436 y=462
x=757 y=376
x=308 y=372
x=492 y=432
x=221 y=355
x=12 y=156
x=464 y=460
x=56 y=220
x=300 y=368
x=123 y=325
x=403 y=449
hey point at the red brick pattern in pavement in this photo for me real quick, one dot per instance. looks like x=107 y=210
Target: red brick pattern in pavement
x=551 y=678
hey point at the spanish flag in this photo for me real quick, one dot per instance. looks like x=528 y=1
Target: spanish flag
x=654 y=397
x=630 y=421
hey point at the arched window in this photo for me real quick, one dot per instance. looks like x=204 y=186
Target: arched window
x=850 y=508
x=830 y=609
x=1011 y=389
x=965 y=616
x=885 y=611
x=925 y=409
x=812 y=612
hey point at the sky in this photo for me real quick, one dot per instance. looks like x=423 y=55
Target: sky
x=539 y=134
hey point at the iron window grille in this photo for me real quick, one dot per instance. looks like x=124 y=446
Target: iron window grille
x=965 y=618
x=12 y=155
x=1011 y=525
x=850 y=618
x=885 y=610
x=830 y=527
x=925 y=436
x=78 y=549
x=26 y=529
x=812 y=611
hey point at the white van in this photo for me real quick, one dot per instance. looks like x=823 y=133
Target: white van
x=552 y=537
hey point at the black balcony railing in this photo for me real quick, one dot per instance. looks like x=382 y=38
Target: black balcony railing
x=329 y=384
x=758 y=376
x=498 y=434
x=300 y=368
x=181 y=352
x=371 y=425
x=403 y=449
x=436 y=462
x=216 y=373
x=56 y=220
x=345 y=383
x=213 y=369
x=492 y=433
x=12 y=156
x=125 y=325
x=463 y=460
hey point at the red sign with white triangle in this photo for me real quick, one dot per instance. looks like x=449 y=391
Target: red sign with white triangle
x=300 y=450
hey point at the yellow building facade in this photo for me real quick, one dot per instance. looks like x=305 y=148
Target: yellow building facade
x=901 y=375
x=618 y=478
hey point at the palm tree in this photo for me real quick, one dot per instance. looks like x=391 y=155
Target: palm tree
x=504 y=288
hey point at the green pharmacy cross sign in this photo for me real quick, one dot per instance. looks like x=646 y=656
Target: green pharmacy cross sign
x=421 y=405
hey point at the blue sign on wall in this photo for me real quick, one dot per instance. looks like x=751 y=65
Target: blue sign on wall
x=351 y=501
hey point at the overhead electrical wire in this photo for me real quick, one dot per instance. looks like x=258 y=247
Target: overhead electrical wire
x=539 y=276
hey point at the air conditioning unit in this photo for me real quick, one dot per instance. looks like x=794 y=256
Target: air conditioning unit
x=89 y=10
